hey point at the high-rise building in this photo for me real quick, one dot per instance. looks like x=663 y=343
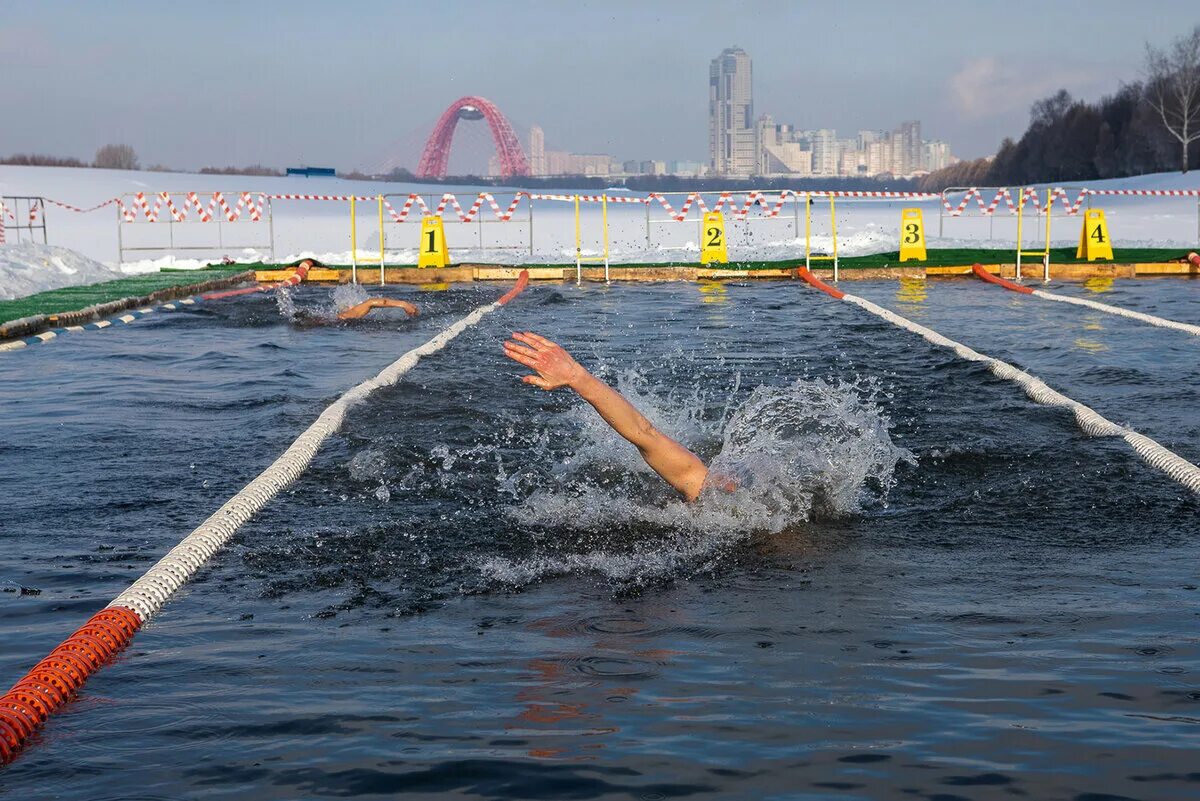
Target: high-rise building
x=537 y=151
x=731 y=134
x=826 y=153
x=908 y=151
x=937 y=156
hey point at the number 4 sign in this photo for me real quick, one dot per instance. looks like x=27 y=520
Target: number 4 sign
x=912 y=235
x=712 y=239
x=432 y=251
x=1094 y=242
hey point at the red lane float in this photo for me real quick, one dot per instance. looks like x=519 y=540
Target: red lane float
x=995 y=279
x=806 y=274
x=522 y=282
x=54 y=681
x=298 y=275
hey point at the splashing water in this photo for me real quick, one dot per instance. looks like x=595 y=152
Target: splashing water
x=782 y=457
x=343 y=297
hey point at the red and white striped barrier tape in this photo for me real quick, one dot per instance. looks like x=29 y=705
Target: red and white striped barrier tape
x=179 y=213
x=255 y=202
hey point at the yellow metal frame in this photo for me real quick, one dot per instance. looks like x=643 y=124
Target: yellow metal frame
x=579 y=257
x=1045 y=251
x=354 y=259
x=809 y=258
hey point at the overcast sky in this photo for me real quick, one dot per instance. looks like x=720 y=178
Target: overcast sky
x=278 y=83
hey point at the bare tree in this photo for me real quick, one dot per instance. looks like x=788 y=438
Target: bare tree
x=1173 y=88
x=116 y=157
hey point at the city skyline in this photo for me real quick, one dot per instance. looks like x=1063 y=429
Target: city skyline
x=970 y=74
x=742 y=144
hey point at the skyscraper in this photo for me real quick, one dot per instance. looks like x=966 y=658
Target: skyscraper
x=537 y=151
x=731 y=133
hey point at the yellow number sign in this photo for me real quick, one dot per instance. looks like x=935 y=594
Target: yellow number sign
x=912 y=235
x=432 y=251
x=712 y=239
x=1094 y=242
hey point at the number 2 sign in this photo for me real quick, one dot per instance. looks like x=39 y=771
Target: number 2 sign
x=712 y=239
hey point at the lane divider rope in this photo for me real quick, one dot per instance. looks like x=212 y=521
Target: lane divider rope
x=54 y=681
x=127 y=317
x=1161 y=322
x=296 y=277
x=1088 y=419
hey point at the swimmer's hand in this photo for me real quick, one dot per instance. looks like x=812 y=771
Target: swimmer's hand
x=555 y=367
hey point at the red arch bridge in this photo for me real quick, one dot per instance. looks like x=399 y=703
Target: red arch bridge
x=436 y=154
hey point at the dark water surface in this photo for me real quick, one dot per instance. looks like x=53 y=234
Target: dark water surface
x=477 y=592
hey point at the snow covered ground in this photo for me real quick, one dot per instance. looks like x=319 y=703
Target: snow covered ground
x=321 y=228
x=27 y=268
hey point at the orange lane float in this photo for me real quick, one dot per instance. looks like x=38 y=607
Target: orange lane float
x=298 y=275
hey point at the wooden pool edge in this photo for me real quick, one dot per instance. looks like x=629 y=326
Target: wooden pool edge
x=469 y=273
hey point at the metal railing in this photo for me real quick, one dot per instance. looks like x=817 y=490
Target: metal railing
x=185 y=211
x=23 y=214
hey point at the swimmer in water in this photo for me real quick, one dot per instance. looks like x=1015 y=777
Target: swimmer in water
x=363 y=309
x=555 y=368
x=306 y=318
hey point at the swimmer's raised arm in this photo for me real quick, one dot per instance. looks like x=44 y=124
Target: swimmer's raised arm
x=555 y=368
x=361 y=309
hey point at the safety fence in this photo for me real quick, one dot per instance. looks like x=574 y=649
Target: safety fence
x=24 y=215
x=141 y=211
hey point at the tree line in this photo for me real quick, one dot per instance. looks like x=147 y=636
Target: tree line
x=1150 y=125
x=123 y=157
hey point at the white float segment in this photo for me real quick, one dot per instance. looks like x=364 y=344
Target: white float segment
x=148 y=594
x=1161 y=322
x=1089 y=420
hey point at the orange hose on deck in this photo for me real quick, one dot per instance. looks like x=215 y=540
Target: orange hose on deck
x=54 y=681
x=806 y=274
x=995 y=279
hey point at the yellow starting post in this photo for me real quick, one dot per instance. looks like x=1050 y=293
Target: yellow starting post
x=912 y=235
x=809 y=258
x=579 y=257
x=355 y=259
x=1044 y=253
x=432 y=251
x=713 y=248
x=1094 y=241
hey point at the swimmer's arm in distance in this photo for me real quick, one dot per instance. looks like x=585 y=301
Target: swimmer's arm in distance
x=555 y=368
x=361 y=309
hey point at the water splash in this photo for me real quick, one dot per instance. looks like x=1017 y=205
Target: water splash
x=783 y=456
x=341 y=298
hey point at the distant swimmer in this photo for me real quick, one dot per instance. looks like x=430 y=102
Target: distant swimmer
x=555 y=368
x=363 y=309
x=306 y=318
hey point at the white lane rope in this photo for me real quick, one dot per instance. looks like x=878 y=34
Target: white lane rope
x=1088 y=419
x=1161 y=322
x=148 y=594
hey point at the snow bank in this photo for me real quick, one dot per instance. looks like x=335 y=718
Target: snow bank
x=28 y=268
